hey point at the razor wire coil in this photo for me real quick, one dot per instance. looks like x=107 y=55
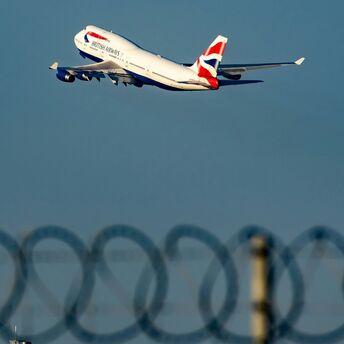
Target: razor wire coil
x=92 y=260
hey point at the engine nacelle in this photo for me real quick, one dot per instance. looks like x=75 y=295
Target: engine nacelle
x=232 y=76
x=84 y=77
x=65 y=76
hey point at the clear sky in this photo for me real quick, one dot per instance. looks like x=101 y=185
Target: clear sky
x=86 y=155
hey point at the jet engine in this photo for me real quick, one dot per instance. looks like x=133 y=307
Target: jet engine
x=84 y=77
x=65 y=76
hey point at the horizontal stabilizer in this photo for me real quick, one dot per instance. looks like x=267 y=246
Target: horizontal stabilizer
x=237 y=82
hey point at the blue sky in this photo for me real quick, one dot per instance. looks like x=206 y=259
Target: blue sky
x=87 y=155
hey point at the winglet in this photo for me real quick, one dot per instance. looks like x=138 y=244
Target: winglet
x=300 y=61
x=54 y=66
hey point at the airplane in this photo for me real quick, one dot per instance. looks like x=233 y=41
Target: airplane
x=124 y=62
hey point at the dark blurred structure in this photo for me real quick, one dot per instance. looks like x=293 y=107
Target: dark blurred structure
x=149 y=300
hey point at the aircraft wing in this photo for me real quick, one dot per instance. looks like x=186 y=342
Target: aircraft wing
x=99 y=71
x=228 y=70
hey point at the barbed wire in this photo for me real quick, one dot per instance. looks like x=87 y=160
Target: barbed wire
x=146 y=310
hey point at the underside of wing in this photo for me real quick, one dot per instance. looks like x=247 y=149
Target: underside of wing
x=238 y=82
x=96 y=70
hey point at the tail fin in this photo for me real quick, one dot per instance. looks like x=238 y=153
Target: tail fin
x=207 y=64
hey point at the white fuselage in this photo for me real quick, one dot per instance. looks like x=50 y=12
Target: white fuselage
x=141 y=64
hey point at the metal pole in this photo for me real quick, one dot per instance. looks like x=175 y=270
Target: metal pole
x=260 y=290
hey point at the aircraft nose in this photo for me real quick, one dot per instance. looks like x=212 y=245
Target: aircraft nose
x=78 y=38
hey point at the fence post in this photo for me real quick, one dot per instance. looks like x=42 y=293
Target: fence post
x=260 y=293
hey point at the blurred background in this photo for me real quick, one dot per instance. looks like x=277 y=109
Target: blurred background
x=88 y=155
